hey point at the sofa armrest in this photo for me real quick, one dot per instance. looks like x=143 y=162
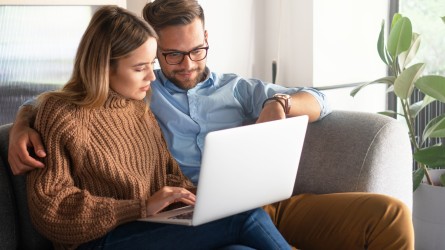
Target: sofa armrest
x=8 y=228
x=356 y=152
x=16 y=230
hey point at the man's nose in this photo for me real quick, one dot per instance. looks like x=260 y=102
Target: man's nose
x=187 y=62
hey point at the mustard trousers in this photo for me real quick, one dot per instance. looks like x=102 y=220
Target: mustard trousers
x=344 y=221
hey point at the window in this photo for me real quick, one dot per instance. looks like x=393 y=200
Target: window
x=38 y=43
x=37 y=47
x=426 y=20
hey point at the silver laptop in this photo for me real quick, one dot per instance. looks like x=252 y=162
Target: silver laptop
x=243 y=168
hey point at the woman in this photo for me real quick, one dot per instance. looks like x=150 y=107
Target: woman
x=107 y=163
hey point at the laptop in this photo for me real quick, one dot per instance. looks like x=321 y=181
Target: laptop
x=243 y=168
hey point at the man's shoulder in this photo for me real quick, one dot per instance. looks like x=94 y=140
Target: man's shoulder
x=226 y=78
x=236 y=80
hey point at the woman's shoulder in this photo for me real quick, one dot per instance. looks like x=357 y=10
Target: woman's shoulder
x=54 y=110
x=53 y=102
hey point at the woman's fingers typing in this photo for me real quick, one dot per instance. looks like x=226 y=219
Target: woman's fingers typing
x=168 y=195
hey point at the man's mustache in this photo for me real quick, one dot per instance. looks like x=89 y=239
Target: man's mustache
x=185 y=70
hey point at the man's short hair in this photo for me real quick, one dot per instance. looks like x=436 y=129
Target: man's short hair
x=162 y=13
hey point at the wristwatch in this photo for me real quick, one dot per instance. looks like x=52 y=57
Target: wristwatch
x=287 y=101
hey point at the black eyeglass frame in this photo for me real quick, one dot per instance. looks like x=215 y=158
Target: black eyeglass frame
x=165 y=54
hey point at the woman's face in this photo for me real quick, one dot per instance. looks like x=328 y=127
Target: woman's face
x=133 y=74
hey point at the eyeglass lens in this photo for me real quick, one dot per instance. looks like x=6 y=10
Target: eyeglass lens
x=178 y=57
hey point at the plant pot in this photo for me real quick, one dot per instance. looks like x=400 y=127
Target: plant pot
x=429 y=215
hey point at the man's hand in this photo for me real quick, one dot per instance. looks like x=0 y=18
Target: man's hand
x=22 y=137
x=271 y=111
x=168 y=195
x=303 y=103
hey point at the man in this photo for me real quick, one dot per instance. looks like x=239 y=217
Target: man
x=189 y=101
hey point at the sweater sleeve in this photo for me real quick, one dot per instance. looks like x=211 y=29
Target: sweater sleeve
x=59 y=209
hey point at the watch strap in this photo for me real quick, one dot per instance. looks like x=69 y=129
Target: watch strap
x=277 y=99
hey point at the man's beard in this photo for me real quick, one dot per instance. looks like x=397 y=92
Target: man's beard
x=188 y=83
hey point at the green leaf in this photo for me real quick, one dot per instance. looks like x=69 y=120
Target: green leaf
x=407 y=56
x=388 y=57
x=404 y=84
x=387 y=80
x=443 y=19
x=395 y=18
x=400 y=37
x=432 y=85
x=415 y=108
x=381 y=43
x=418 y=177
x=433 y=157
x=435 y=128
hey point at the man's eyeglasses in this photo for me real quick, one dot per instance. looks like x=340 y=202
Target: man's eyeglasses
x=176 y=57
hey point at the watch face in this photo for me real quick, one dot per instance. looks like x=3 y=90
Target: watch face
x=284 y=96
x=287 y=101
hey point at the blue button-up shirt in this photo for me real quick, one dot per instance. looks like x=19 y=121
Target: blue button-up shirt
x=221 y=101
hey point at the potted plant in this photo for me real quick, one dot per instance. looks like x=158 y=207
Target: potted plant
x=398 y=52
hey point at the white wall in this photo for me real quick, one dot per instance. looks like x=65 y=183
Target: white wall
x=121 y=3
x=232 y=35
x=136 y=6
x=345 y=51
x=316 y=43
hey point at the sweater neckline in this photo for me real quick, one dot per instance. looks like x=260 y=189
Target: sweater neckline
x=116 y=100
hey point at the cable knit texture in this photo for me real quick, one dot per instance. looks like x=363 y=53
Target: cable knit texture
x=101 y=166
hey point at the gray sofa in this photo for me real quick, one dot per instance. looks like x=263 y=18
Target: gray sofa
x=345 y=152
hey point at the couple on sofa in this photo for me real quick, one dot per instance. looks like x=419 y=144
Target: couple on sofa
x=89 y=127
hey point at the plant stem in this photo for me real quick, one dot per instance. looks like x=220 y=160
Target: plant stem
x=427 y=174
x=410 y=121
x=395 y=68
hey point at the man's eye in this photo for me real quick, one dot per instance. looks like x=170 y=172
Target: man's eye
x=196 y=51
x=175 y=55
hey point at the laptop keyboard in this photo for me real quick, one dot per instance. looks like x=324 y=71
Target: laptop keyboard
x=184 y=216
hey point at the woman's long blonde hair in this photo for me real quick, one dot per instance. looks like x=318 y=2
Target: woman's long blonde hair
x=112 y=33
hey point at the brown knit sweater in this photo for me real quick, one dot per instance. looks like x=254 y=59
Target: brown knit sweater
x=101 y=166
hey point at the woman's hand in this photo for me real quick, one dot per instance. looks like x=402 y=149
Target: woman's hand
x=166 y=196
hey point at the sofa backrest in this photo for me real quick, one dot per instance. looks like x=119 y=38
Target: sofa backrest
x=351 y=151
x=14 y=94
